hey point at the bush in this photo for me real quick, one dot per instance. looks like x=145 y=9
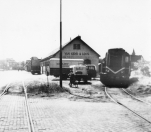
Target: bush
x=145 y=71
x=43 y=88
x=143 y=67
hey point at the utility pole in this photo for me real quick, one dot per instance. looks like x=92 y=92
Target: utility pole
x=61 y=43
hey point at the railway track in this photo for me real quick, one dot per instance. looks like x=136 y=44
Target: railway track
x=5 y=90
x=126 y=107
x=134 y=97
x=30 y=122
x=27 y=109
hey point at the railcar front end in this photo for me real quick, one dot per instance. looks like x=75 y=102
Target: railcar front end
x=115 y=70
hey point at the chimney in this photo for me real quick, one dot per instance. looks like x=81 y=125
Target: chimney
x=79 y=37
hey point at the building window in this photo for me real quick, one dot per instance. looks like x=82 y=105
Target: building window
x=87 y=61
x=76 y=46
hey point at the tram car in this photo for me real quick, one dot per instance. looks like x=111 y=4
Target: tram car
x=115 y=68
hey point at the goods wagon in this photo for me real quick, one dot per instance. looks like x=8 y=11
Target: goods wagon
x=35 y=65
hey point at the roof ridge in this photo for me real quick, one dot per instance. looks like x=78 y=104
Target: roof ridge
x=58 y=49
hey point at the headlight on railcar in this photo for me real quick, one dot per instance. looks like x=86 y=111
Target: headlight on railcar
x=122 y=71
x=107 y=70
x=126 y=59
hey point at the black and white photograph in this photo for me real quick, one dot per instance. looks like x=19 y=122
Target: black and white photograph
x=75 y=65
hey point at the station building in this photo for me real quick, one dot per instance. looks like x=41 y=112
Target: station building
x=74 y=49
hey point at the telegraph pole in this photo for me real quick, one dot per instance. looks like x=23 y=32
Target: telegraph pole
x=61 y=43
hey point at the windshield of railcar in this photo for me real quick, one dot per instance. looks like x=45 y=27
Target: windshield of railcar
x=115 y=59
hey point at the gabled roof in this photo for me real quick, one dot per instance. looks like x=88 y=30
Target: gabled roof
x=54 y=52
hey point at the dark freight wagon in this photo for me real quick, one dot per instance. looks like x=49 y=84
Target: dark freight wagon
x=35 y=65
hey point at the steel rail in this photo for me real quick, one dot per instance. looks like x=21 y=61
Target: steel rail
x=135 y=97
x=30 y=122
x=119 y=103
x=5 y=90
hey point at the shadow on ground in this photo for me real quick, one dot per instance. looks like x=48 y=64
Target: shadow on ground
x=133 y=80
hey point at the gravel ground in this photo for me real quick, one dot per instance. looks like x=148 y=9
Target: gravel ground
x=140 y=86
x=102 y=112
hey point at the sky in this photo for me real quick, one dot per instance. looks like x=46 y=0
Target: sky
x=32 y=27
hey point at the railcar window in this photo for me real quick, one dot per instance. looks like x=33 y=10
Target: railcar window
x=115 y=61
x=126 y=59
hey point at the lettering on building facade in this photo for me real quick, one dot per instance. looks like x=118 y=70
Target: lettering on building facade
x=70 y=54
x=73 y=54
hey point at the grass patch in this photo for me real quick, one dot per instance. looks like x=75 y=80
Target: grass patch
x=37 y=88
